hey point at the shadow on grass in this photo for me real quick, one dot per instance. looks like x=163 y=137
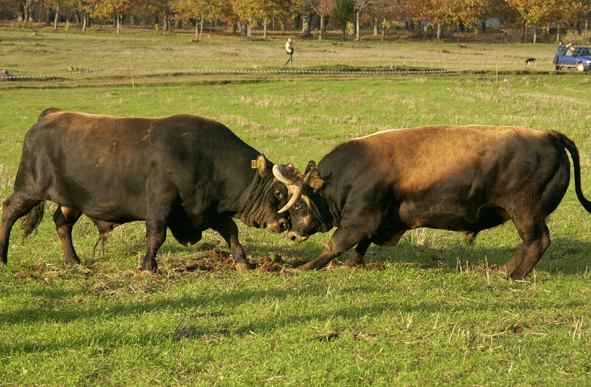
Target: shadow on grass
x=221 y=305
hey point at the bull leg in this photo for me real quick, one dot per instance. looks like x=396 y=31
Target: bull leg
x=536 y=239
x=342 y=240
x=64 y=219
x=229 y=231
x=156 y=236
x=356 y=257
x=13 y=209
x=156 y=225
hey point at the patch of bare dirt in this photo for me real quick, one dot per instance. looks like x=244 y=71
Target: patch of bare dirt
x=329 y=336
x=217 y=261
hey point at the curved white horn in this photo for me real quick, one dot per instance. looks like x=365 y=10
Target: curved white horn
x=299 y=189
x=279 y=173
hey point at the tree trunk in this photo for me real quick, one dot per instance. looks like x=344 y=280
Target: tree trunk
x=306 y=16
x=57 y=14
x=83 y=20
x=118 y=23
x=321 y=27
x=357 y=18
x=201 y=28
x=439 y=29
x=535 y=34
x=249 y=29
x=483 y=25
x=383 y=33
x=26 y=11
x=164 y=21
x=376 y=26
x=32 y=9
x=265 y=29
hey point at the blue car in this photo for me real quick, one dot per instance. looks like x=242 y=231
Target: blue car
x=580 y=58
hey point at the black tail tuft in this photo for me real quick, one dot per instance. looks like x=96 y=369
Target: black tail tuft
x=34 y=217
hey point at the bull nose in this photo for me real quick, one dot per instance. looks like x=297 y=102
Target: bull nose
x=296 y=238
x=283 y=225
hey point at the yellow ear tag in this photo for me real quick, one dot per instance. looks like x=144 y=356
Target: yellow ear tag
x=253 y=164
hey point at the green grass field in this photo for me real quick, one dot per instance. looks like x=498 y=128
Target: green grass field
x=429 y=311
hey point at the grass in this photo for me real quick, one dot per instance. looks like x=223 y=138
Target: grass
x=429 y=311
x=166 y=59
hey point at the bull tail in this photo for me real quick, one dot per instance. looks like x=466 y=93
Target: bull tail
x=33 y=218
x=574 y=154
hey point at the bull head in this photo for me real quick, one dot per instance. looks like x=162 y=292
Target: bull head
x=290 y=177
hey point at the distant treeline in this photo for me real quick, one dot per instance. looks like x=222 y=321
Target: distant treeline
x=308 y=15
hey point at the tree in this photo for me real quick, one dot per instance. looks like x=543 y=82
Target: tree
x=324 y=9
x=386 y=12
x=110 y=8
x=344 y=12
x=360 y=6
x=533 y=13
x=196 y=10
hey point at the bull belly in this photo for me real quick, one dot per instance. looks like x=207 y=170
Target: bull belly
x=458 y=218
x=116 y=210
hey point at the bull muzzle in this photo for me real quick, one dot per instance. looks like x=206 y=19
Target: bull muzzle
x=294 y=187
x=295 y=237
x=279 y=226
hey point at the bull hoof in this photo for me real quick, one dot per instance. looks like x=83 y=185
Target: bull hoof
x=306 y=267
x=72 y=261
x=351 y=263
x=243 y=267
x=150 y=265
x=517 y=276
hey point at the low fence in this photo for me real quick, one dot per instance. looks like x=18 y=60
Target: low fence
x=236 y=72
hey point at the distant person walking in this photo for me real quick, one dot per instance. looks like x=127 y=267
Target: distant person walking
x=289 y=52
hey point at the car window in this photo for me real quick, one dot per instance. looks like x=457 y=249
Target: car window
x=583 y=51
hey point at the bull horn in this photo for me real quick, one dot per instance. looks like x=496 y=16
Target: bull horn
x=279 y=173
x=299 y=189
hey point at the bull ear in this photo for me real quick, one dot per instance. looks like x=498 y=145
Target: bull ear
x=311 y=165
x=264 y=166
x=314 y=180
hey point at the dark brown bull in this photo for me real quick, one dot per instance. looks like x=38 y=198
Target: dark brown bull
x=186 y=173
x=462 y=178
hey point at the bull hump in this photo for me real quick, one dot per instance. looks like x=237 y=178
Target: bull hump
x=47 y=112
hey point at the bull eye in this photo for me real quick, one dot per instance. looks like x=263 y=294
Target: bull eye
x=278 y=194
x=297 y=206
